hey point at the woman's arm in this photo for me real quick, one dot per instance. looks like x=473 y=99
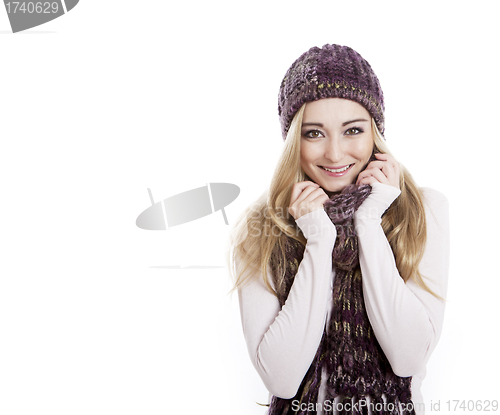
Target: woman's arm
x=407 y=320
x=282 y=343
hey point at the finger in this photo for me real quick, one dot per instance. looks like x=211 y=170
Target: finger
x=367 y=180
x=388 y=158
x=376 y=173
x=371 y=177
x=313 y=201
x=319 y=202
x=321 y=199
x=305 y=196
x=386 y=167
x=377 y=164
x=383 y=156
x=393 y=171
x=317 y=196
x=299 y=187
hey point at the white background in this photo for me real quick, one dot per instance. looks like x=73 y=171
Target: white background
x=118 y=96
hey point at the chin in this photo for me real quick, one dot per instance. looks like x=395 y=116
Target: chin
x=329 y=190
x=332 y=190
x=336 y=187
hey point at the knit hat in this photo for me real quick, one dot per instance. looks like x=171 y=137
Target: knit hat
x=329 y=72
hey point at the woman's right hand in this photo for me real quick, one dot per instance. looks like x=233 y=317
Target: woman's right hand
x=306 y=197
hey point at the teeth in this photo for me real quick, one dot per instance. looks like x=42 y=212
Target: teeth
x=337 y=170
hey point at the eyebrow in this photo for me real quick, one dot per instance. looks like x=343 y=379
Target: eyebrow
x=356 y=120
x=312 y=123
x=343 y=124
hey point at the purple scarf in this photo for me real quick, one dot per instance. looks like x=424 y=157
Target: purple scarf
x=356 y=365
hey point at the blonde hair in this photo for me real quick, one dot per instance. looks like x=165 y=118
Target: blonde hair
x=266 y=223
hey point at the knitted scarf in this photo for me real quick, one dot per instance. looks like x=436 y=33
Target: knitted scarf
x=356 y=365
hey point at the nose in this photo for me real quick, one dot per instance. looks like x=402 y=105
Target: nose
x=333 y=150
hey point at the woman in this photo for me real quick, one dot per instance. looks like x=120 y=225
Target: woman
x=341 y=267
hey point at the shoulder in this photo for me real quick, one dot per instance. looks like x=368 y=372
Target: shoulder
x=436 y=206
x=433 y=195
x=434 y=199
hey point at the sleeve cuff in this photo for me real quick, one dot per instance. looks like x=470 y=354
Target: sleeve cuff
x=316 y=225
x=378 y=202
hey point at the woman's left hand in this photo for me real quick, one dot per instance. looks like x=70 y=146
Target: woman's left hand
x=384 y=170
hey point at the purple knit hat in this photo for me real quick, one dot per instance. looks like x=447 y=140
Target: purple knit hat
x=329 y=72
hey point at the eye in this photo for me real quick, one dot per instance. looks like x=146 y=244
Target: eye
x=354 y=131
x=313 y=134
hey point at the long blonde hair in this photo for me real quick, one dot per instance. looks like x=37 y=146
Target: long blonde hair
x=265 y=224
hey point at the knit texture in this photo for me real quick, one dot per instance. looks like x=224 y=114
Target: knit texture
x=332 y=71
x=357 y=368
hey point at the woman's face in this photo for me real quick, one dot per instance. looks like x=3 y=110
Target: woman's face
x=336 y=142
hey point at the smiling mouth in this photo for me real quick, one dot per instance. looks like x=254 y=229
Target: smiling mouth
x=339 y=170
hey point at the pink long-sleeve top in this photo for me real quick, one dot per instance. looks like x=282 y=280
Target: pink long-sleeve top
x=406 y=319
